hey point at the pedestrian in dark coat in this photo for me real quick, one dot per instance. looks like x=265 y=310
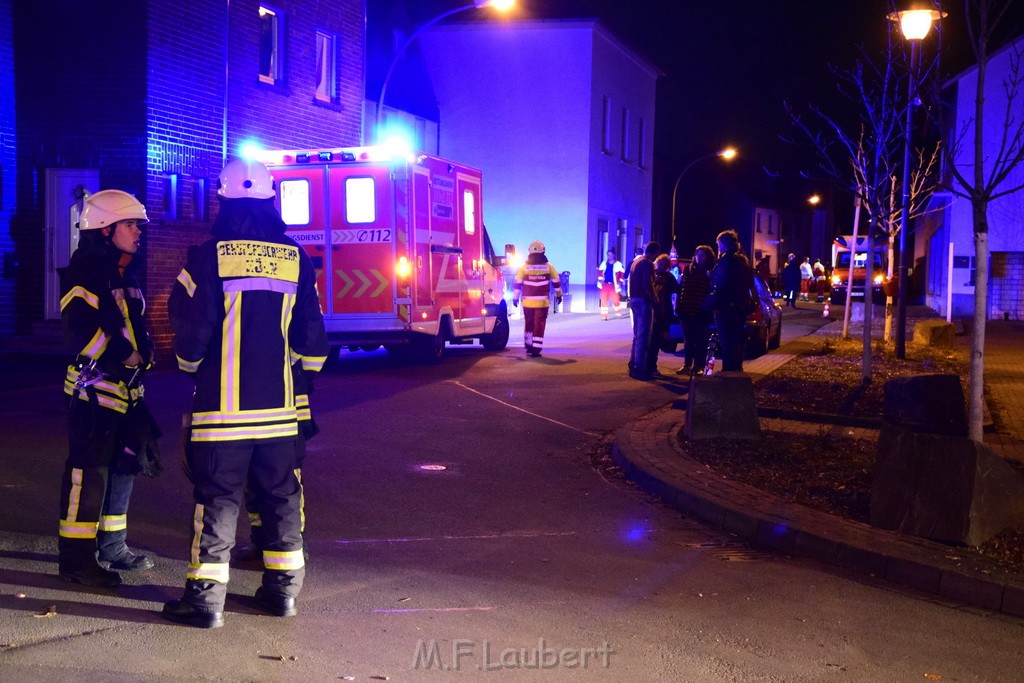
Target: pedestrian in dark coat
x=692 y=308
x=732 y=284
x=791 y=280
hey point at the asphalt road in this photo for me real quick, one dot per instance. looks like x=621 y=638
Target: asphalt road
x=520 y=560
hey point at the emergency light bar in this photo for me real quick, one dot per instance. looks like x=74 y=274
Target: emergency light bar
x=280 y=157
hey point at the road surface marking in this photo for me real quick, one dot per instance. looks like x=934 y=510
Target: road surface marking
x=471 y=537
x=514 y=407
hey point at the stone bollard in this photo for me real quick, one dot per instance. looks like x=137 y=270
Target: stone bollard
x=937 y=333
x=722 y=407
x=929 y=479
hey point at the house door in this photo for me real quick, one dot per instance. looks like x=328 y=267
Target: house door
x=66 y=189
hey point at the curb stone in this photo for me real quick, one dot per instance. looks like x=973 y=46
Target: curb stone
x=649 y=453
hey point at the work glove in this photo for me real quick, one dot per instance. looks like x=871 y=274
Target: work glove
x=558 y=301
x=149 y=460
x=515 y=302
x=140 y=452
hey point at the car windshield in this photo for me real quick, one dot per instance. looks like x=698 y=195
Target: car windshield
x=843 y=259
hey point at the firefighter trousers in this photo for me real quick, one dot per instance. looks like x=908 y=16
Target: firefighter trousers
x=220 y=470
x=255 y=522
x=91 y=432
x=536 y=320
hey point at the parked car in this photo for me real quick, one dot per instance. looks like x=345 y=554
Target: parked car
x=764 y=325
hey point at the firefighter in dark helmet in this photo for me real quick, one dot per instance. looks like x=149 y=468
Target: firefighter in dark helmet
x=243 y=310
x=111 y=434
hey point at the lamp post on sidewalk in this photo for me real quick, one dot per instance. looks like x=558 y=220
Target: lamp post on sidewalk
x=728 y=154
x=915 y=23
x=500 y=5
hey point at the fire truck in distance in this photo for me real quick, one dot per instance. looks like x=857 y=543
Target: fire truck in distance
x=401 y=255
x=841 y=270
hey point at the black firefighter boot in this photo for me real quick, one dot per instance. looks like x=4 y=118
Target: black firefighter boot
x=77 y=564
x=190 y=610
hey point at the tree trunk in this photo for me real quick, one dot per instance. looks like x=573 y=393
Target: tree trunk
x=976 y=400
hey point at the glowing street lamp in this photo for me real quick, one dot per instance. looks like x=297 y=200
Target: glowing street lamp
x=915 y=23
x=500 y=5
x=729 y=153
x=814 y=199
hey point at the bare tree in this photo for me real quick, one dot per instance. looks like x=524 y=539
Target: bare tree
x=866 y=155
x=982 y=176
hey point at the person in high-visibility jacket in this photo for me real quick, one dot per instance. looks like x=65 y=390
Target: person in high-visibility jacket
x=533 y=285
x=102 y=308
x=611 y=277
x=243 y=310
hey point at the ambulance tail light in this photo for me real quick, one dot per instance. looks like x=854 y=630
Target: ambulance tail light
x=403 y=268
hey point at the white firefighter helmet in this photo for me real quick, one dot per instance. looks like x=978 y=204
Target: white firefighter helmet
x=108 y=207
x=536 y=247
x=246 y=179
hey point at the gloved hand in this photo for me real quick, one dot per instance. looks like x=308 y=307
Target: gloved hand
x=558 y=301
x=515 y=302
x=149 y=460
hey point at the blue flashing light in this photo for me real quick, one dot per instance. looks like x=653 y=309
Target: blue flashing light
x=250 y=149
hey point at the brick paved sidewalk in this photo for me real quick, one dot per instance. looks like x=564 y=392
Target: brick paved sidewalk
x=649 y=452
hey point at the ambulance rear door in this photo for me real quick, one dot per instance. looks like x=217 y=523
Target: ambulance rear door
x=470 y=227
x=302 y=201
x=362 y=245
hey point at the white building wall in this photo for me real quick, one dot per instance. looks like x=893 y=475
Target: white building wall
x=518 y=101
x=1005 y=214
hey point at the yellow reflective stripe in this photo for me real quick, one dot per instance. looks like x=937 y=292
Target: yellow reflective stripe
x=313 y=363
x=212 y=417
x=97 y=345
x=70 y=529
x=254 y=519
x=129 y=331
x=246 y=432
x=188 y=365
x=75 y=495
x=185 y=278
x=287 y=305
x=208 y=571
x=283 y=560
x=197 y=533
x=80 y=292
x=302 y=501
x=230 y=363
x=113 y=522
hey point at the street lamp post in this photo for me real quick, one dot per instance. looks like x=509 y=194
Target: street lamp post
x=915 y=23
x=728 y=154
x=501 y=5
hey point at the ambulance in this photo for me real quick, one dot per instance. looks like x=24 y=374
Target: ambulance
x=398 y=242
x=843 y=278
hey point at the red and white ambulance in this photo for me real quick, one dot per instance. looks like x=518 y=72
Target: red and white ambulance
x=399 y=246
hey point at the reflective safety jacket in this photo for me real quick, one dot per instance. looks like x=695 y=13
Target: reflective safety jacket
x=243 y=311
x=534 y=281
x=103 y=310
x=617 y=276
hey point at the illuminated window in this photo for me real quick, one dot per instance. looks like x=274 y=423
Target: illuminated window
x=360 y=200
x=469 y=212
x=606 y=130
x=326 y=67
x=641 y=148
x=627 y=145
x=295 y=201
x=270 y=45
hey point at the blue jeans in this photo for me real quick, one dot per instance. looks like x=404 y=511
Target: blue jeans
x=642 y=313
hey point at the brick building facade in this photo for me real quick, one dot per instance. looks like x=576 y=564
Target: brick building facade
x=154 y=95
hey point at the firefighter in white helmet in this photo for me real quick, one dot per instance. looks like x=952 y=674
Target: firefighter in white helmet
x=112 y=436
x=244 y=421
x=533 y=285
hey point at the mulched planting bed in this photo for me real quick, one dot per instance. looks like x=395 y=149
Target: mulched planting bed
x=828 y=471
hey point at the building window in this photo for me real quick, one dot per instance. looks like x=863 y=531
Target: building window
x=469 y=212
x=641 y=148
x=771 y=224
x=171 y=197
x=757 y=222
x=295 y=201
x=606 y=128
x=602 y=239
x=199 y=200
x=627 y=145
x=270 y=45
x=360 y=200
x=326 y=67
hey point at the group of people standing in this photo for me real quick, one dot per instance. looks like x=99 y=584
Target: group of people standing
x=803 y=277
x=709 y=291
x=252 y=365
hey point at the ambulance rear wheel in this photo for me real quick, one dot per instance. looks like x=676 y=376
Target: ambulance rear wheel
x=497 y=340
x=431 y=349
